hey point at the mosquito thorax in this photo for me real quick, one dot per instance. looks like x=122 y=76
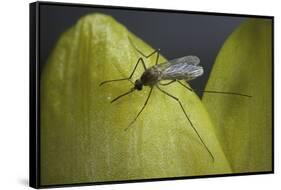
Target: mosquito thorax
x=138 y=84
x=150 y=77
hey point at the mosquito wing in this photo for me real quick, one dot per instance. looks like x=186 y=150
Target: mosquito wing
x=190 y=59
x=184 y=68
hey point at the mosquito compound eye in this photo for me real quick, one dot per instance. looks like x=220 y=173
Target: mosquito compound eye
x=138 y=85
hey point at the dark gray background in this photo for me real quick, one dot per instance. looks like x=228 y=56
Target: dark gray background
x=176 y=34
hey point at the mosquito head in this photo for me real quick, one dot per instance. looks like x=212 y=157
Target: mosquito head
x=138 y=84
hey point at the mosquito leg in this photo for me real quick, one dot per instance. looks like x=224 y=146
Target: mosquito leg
x=128 y=78
x=227 y=93
x=140 y=52
x=215 y=92
x=157 y=57
x=175 y=98
x=165 y=84
x=188 y=88
x=120 y=96
x=146 y=56
x=141 y=109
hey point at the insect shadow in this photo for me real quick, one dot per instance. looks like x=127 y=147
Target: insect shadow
x=176 y=70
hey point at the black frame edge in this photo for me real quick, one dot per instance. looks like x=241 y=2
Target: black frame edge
x=154 y=179
x=272 y=51
x=152 y=9
x=34 y=142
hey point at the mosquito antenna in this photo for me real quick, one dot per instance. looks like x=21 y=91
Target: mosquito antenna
x=215 y=92
x=120 y=96
x=201 y=140
x=141 y=109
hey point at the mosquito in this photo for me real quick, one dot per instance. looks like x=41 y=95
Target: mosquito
x=177 y=70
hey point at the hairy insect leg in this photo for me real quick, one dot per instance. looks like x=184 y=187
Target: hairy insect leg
x=146 y=56
x=141 y=109
x=131 y=75
x=176 y=99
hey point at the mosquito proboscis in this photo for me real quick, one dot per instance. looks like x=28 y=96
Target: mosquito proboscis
x=176 y=70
